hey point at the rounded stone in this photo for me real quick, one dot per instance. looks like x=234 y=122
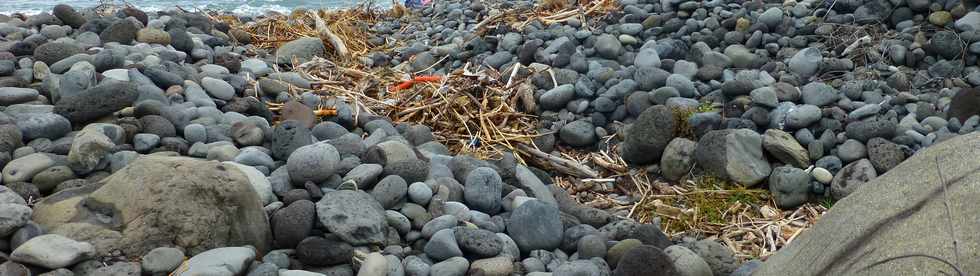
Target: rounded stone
x=316 y=162
x=318 y=251
x=153 y=36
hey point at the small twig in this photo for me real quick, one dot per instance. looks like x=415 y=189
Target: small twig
x=949 y=212
x=574 y=168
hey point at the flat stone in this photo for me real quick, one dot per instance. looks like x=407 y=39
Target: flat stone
x=16 y=95
x=220 y=261
x=784 y=147
x=162 y=260
x=733 y=154
x=52 y=251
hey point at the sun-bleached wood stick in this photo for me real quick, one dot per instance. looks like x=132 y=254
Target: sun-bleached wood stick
x=325 y=33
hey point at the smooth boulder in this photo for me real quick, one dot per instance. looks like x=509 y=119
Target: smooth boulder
x=933 y=192
x=146 y=207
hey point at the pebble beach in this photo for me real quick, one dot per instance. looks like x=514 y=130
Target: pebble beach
x=479 y=137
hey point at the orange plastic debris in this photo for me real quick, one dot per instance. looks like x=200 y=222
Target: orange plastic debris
x=326 y=112
x=409 y=83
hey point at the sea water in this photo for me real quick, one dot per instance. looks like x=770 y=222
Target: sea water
x=250 y=7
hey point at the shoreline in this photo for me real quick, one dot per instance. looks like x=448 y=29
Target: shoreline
x=495 y=137
x=243 y=9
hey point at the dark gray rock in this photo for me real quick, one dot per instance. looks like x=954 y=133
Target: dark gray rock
x=535 y=225
x=412 y=170
x=734 y=154
x=11 y=138
x=946 y=44
x=43 y=125
x=478 y=242
x=851 y=150
x=771 y=17
x=579 y=133
x=607 y=46
x=302 y=50
x=884 y=154
x=180 y=40
x=16 y=95
x=287 y=137
x=97 y=102
x=163 y=78
x=784 y=147
x=13 y=217
x=68 y=15
x=649 y=135
x=454 y=266
x=734 y=88
x=852 y=177
x=315 y=162
x=877 y=126
x=965 y=104
x=677 y=160
x=790 y=186
x=293 y=223
x=319 y=251
x=121 y=31
x=806 y=62
x=483 y=190
x=644 y=260
x=592 y=246
x=390 y=191
x=557 y=97
x=819 y=94
x=52 y=52
x=719 y=257
x=442 y=245
x=800 y=116
x=162 y=260
x=328 y=130
x=158 y=125
x=354 y=216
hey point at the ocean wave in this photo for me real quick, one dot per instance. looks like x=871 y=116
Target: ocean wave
x=253 y=10
x=246 y=7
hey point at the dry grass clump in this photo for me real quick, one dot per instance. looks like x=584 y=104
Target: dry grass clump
x=471 y=112
x=862 y=44
x=350 y=26
x=744 y=219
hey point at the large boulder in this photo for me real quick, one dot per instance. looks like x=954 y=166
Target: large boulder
x=161 y=201
x=925 y=206
x=733 y=154
x=649 y=135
